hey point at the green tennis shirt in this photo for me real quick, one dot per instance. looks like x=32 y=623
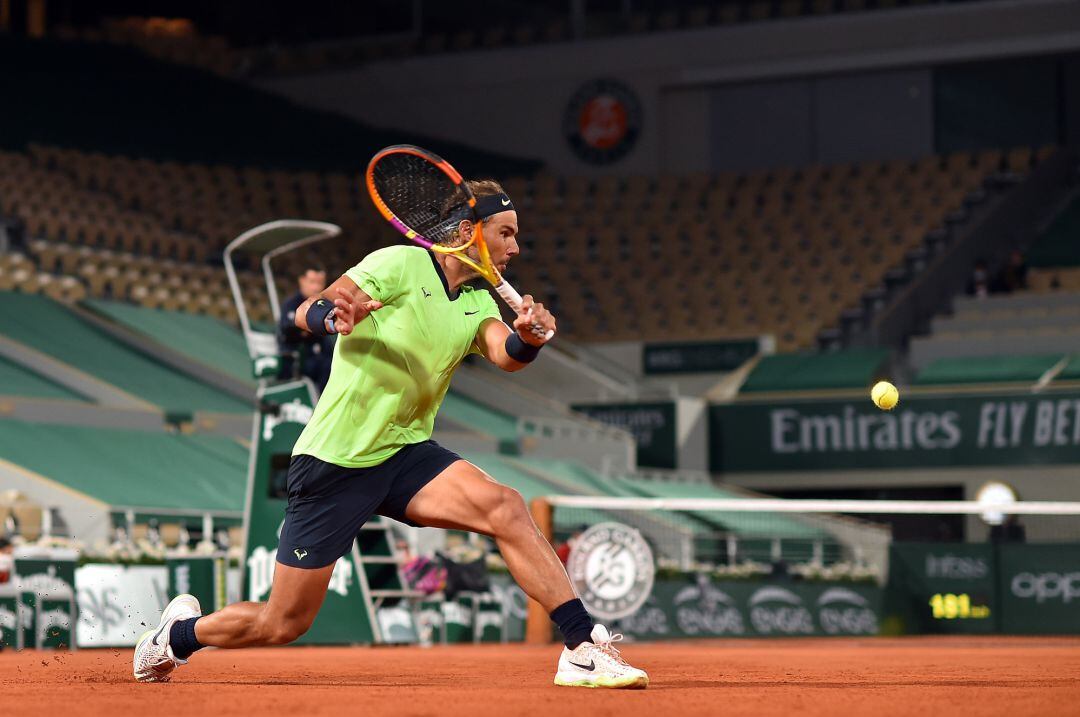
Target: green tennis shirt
x=389 y=376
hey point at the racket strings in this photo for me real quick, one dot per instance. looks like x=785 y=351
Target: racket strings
x=421 y=195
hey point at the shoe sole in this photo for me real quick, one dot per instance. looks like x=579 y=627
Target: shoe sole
x=610 y=683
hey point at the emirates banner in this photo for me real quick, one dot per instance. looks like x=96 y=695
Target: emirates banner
x=980 y=430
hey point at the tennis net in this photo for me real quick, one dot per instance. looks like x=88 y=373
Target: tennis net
x=816 y=538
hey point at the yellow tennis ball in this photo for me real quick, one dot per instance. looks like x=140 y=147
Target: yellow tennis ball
x=884 y=395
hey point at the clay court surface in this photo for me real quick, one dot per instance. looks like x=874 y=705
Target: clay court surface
x=886 y=676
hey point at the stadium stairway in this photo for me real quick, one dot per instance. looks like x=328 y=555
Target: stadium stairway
x=1008 y=325
x=1022 y=202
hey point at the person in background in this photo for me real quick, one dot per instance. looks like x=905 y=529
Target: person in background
x=563 y=549
x=7 y=559
x=1013 y=276
x=979 y=284
x=294 y=344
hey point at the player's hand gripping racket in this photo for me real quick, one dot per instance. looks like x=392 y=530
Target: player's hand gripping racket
x=412 y=188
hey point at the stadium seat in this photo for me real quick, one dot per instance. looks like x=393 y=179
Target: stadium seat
x=760 y=232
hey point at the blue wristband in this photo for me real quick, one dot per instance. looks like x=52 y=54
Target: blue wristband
x=320 y=318
x=521 y=351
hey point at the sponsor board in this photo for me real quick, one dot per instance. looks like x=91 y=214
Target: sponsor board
x=200 y=575
x=46 y=610
x=118 y=603
x=920 y=432
x=704 y=608
x=515 y=606
x=1040 y=588
x=943 y=588
x=612 y=570
x=697 y=357
x=651 y=424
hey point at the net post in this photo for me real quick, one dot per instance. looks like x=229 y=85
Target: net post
x=537 y=622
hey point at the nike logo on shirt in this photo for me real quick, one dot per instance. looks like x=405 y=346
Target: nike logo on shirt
x=470 y=313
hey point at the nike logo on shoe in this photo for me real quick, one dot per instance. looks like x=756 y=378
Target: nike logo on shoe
x=153 y=640
x=590 y=667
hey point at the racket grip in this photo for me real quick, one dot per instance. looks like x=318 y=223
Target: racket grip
x=513 y=300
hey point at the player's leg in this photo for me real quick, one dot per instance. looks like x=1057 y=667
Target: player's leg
x=327 y=506
x=463 y=497
x=295 y=598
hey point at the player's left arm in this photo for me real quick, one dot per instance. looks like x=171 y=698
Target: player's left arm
x=512 y=349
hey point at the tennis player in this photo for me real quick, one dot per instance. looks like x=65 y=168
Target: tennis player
x=406 y=318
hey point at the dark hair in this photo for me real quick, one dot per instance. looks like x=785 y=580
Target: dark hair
x=479 y=188
x=317 y=268
x=4 y=542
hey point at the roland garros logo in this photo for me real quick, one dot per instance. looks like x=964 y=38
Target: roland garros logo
x=612 y=570
x=602 y=121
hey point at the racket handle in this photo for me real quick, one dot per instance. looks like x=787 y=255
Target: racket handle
x=513 y=300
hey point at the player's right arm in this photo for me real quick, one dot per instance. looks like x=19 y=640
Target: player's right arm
x=350 y=305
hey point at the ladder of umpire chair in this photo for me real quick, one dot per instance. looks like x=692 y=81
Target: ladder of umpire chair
x=382 y=569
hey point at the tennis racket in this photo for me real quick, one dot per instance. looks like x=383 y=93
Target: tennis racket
x=412 y=188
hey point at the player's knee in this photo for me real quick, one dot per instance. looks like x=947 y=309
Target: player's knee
x=284 y=631
x=510 y=512
x=287 y=632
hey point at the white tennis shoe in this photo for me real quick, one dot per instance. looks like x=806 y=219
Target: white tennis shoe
x=154 y=658
x=599 y=664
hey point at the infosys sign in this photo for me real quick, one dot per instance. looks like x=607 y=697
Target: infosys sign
x=921 y=432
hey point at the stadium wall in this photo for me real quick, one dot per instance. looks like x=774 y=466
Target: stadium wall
x=675 y=75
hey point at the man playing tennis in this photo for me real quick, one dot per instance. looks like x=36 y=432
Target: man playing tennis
x=406 y=319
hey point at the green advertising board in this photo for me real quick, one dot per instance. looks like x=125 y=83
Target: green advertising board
x=943 y=588
x=921 y=432
x=699 y=607
x=45 y=607
x=10 y=630
x=200 y=575
x=697 y=357
x=651 y=424
x=346 y=616
x=1040 y=588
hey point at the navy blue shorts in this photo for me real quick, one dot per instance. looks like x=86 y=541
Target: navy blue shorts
x=328 y=504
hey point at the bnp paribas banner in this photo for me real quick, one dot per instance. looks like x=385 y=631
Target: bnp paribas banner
x=920 y=432
x=703 y=608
